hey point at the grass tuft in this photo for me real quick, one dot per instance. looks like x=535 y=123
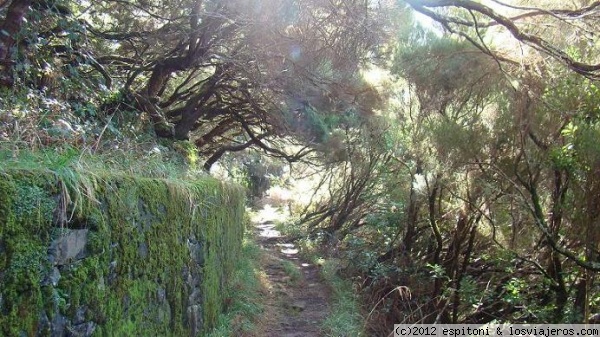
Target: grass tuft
x=244 y=298
x=345 y=317
x=291 y=270
x=69 y=161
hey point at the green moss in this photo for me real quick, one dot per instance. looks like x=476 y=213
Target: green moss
x=134 y=280
x=6 y=215
x=26 y=210
x=189 y=151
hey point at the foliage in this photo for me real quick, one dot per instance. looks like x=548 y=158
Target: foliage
x=490 y=181
x=225 y=76
x=468 y=175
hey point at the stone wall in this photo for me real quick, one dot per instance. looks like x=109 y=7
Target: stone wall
x=114 y=255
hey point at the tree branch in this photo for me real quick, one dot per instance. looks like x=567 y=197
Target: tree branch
x=591 y=71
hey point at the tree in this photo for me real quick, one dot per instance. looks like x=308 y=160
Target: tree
x=226 y=74
x=469 y=19
x=497 y=174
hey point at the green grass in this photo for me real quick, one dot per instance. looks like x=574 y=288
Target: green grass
x=345 y=317
x=291 y=270
x=291 y=228
x=244 y=297
x=168 y=164
x=78 y=170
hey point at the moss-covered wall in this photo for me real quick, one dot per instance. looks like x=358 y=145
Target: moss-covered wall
x=114 y=255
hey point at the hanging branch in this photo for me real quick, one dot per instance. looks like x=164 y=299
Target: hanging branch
x=588 y=70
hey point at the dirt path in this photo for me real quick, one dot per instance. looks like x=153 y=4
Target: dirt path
x=296 y=300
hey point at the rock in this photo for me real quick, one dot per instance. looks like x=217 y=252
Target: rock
x=82 y=330
x=196 y=252
x=146 y=217
x=143 y=250
x=112 y=272
x=80 y=315
x=126 y=302
x=194 y=318
x=186 y=274
x=161 y=295
x=68 y=246
x=59 y=324
x=62 y=127
x=163 y=311
x=44 y=325
x=195 y=297
x=297 y=306
x=52 y=278
x=164 y=314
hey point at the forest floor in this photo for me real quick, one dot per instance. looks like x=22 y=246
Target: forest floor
x=296 y=297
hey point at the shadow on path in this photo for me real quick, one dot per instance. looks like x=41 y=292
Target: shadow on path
x=296 y=300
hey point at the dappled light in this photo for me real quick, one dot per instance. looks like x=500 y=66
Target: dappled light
x=296 y=294
x=268 y=231
x=288 y=248
x=410 y=161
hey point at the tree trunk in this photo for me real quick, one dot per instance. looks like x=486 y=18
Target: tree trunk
x=9 y=29
x=413 y=216
x=438 y=282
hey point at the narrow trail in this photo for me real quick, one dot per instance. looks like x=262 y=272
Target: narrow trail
x=296 y=300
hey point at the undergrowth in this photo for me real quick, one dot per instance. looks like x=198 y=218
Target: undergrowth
x=244 y=296
x=163 y=163
x=345 y=317
x=291 y=270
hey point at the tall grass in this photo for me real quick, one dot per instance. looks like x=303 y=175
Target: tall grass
x=168 y=164
x=244 y=295
x=345 y=318
x=77 y=171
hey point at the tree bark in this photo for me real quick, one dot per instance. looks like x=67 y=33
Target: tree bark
x=9 y=29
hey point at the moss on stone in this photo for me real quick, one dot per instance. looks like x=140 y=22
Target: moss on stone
x=156 y=251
